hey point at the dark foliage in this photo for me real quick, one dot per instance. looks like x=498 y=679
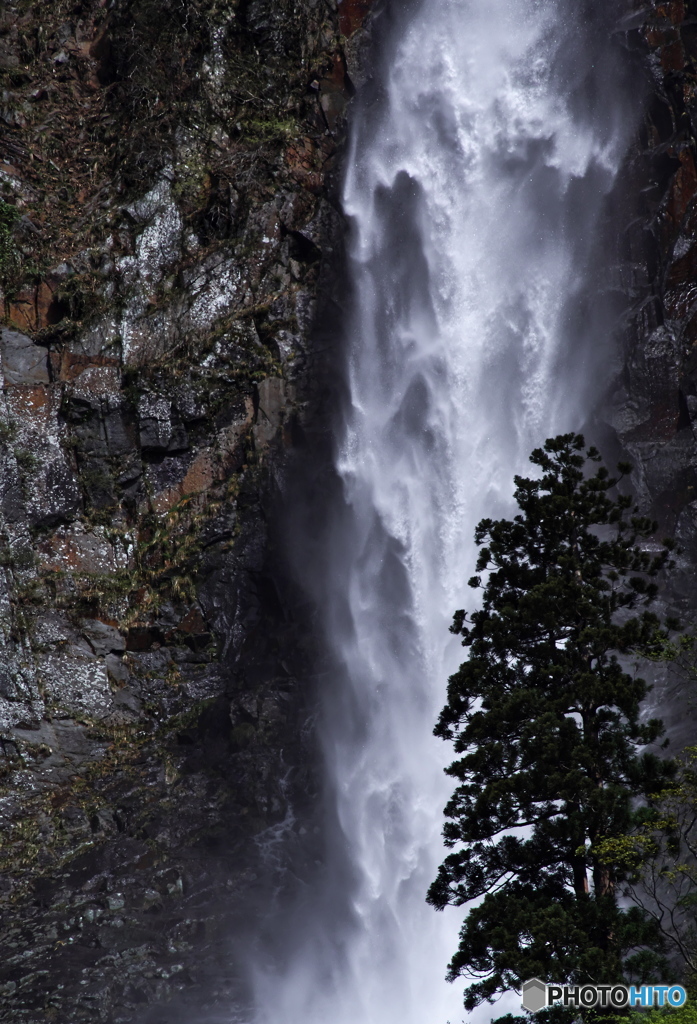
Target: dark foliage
x=545 y=719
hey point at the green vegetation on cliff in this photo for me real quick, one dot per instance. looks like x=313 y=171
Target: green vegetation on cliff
x=165 y=209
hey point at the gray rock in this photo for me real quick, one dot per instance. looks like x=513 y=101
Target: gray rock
x=8 y=58
x=102 y=821
x=56 y=496
x=126 y=698
x=272 y=408
x=23 y=362
x=191 y=405
x=154 y=422
x=117 y=436
x=103 y=638
x=64 y=32
x=357 y=55
x=326 y=227
x=52 y=629
x=117 y=670
x=8 y=687
x=75 y=686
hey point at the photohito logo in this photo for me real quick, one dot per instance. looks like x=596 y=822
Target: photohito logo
x=536 y=995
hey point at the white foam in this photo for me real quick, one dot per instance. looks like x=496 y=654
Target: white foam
x=468 y=248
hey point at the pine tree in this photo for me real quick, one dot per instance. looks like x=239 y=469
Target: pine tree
x=544 y=716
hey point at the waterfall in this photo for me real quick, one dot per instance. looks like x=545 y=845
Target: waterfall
x=476 y=181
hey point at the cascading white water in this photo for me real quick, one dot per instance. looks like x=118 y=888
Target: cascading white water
x=474 y=187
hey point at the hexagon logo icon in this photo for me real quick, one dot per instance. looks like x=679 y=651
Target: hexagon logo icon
x=534 y=995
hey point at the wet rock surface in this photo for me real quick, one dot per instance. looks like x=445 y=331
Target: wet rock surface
x=654 y=399
x=169 y=250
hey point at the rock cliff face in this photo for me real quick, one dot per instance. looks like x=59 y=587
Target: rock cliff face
x=170 y=247
x=655 y=398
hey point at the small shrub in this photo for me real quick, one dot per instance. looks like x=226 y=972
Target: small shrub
x=10 y=256
x=8 y=431
x=26 y=459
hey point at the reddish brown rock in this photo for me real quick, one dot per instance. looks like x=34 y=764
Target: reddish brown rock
x=80 y=550
x=683 y=187
x=70 y=365
x=193 y=622
x=304 y=162
x=33 y=307
x=334 y=93
x=352 y=14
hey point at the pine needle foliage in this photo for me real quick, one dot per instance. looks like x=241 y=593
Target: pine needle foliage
x=544 y=718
